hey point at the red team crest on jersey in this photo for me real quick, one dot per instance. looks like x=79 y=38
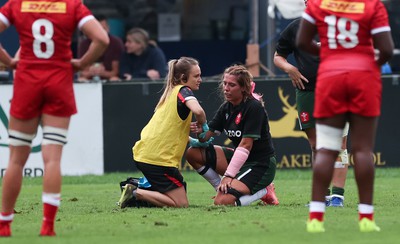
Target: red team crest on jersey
x=304 y=117
x=238 y=118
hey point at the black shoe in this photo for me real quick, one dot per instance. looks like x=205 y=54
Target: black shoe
x=126 y=195
x=130 y=180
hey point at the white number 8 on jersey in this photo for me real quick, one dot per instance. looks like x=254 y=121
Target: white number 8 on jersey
x=45 y=38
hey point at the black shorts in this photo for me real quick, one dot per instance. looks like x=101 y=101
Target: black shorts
x=162 y=179
x=254 y=174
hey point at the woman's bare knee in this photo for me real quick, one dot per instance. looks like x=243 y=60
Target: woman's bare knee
x=195 y=157
x=224 y=199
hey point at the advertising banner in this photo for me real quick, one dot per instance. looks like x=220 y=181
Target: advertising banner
x=83 y=154
x=136 y=102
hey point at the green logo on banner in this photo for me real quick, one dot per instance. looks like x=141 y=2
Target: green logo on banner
x=4 y=121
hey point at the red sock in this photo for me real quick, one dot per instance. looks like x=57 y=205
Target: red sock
x=5 y=224
x=49 y=215
x=5 y=229
x=317 y=215
x=369 y=216
x=49 y=212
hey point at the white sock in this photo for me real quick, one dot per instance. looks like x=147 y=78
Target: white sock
x=51 y=198
x=210 y=175
x=317 y=207
x=248 y=199
x=365 y=208
x=9 y=217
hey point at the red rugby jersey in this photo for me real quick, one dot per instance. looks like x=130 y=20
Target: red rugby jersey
x=45 y=27
x=345 y=29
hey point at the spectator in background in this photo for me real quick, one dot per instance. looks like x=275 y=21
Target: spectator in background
x=107 y=66
x=142 y=59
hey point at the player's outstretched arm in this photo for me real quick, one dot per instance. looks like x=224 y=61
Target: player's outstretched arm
x=295 y=76
x=197 y=110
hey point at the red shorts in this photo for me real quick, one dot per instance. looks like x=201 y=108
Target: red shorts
x=358 y=92
x=44 y=89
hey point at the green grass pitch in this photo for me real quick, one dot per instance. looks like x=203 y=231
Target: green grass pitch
x=88 y=214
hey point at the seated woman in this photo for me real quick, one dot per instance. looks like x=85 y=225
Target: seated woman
x=248 y=169
x=142 y=59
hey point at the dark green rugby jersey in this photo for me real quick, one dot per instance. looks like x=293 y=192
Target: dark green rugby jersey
x=248 y=119
x=306 y=63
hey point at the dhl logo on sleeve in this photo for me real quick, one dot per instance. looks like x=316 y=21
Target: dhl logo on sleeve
x=343 y=6
x=43 y=7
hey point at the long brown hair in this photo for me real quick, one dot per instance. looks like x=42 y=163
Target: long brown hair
x=178 y=72
x=244 y=79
